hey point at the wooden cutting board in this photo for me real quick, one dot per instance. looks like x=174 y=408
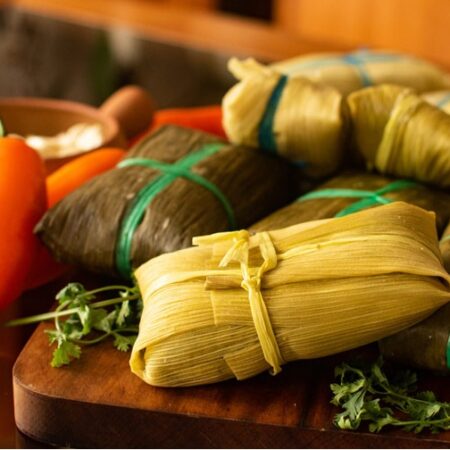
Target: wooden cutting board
x=98 y=402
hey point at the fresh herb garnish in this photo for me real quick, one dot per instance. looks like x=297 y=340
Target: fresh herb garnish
x=88 y=321
x=368 y=395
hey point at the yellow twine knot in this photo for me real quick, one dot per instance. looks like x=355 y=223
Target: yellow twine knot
x=252 y=284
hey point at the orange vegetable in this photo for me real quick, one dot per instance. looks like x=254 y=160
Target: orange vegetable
x=204 y=118
x=59 y=184
x=75 y=173
x=22 y=203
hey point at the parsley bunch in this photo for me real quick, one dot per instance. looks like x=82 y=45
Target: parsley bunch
x=88 y=321
x=367 y=394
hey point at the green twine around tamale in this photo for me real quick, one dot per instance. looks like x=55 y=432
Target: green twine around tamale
x=368 y=198
x=170 y=172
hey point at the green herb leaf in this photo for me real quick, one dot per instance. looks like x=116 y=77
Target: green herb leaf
x=369 y=394
x=64 y=353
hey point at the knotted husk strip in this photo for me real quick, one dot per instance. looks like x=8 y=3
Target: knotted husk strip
x=327 y=286
x=324 y=208
x=401 y=134
x=441 y=99
x=83 y=228
x=308 y=125
x=381 y=67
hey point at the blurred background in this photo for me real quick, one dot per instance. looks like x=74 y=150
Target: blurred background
x=178 y=49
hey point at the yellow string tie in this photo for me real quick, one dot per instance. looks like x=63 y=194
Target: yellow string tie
x=238 y=252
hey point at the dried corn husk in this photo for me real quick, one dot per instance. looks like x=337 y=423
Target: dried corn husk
x=84 y=228
x=307 y=125
x=441 y=99
x=352 y=71
x=304 y=209
x=401 y=134
x=240 y=304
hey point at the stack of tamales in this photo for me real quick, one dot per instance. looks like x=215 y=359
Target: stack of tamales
x=349 y=72
x=239 y=304
x=174 y=185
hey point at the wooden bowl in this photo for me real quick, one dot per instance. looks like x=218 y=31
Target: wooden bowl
x=44 y=117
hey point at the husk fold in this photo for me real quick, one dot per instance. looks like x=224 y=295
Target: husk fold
x=401 y=134
x=240 y=304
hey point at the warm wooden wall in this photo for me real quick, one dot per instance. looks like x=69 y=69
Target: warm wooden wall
x=421 y=27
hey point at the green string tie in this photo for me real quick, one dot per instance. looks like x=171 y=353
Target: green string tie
x=170 y=172
x=368 y=198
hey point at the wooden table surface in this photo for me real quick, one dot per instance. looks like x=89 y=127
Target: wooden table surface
x=98 y=402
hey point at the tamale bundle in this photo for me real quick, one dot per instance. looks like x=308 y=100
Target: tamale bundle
x=294 y=117
x=441 y=99
x=425 y=345
x=352 y=192
x=352 y=71
x=175 y=184
x=239 y=304
x=401 y=134
x=444 y=245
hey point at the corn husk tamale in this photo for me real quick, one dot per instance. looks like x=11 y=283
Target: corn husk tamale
x=401 y=134
x=352 y=71
x=444 y=245
x=353 y=191
x=240 y=304
x=441 y=99
x=294 y=117
x=188 y=197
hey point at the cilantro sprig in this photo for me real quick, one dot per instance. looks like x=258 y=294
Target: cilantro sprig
x=368 y=394
x=88 y=322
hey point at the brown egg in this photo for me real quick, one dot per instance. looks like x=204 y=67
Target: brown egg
x=133 y=107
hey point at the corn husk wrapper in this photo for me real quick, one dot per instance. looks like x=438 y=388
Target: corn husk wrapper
x=308 y=125
x=323 y=208
x=350 y=72
x=401 y=134
x=440 y=99
x=240 y=304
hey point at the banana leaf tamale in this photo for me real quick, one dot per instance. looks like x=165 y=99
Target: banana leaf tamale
x=294 y=117
x=427 y=344
x=441 y=99
x=401 y=134
x=352 y=192
x=239 y=304
x=351 y=71
x=175 y=184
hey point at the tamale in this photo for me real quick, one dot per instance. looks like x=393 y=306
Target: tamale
x=401 y=134
x=173 y=185
x=425 y=345
x=294 y=117
x=441 y=99
x=352 y=192
x=351 y=71
x=239 y=304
